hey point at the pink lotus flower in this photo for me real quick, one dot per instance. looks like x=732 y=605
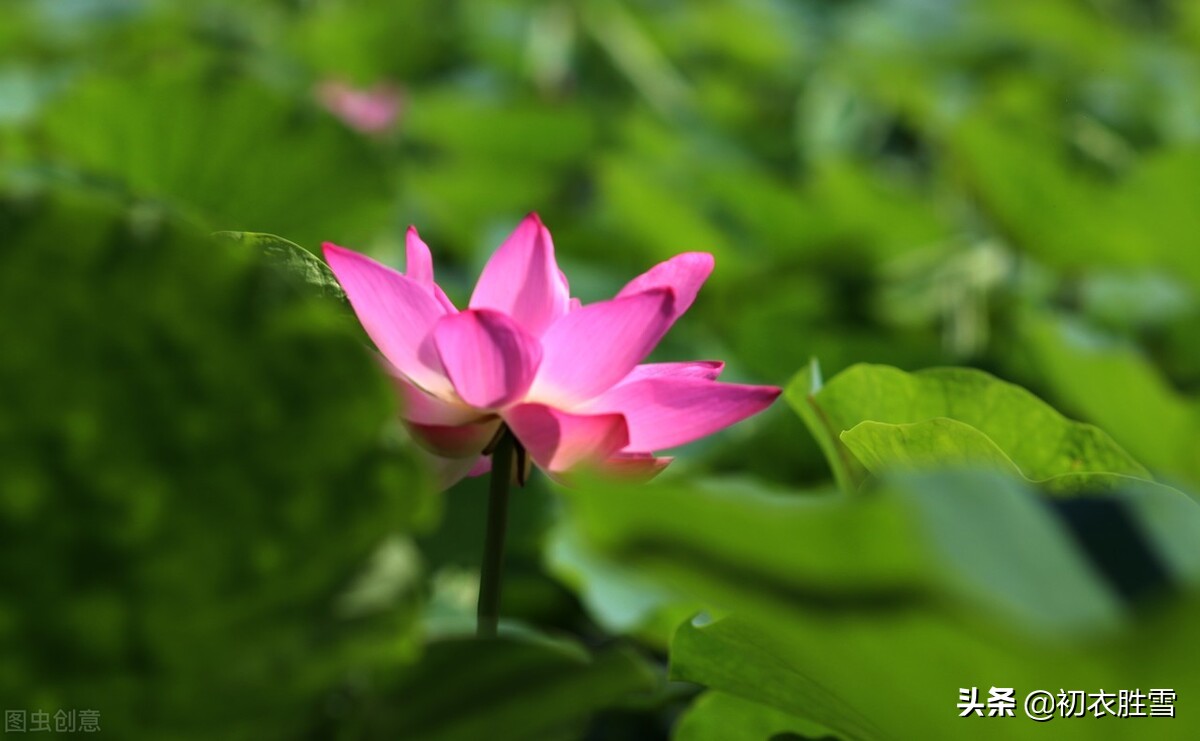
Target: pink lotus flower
x=369 y=110
x=567 y=379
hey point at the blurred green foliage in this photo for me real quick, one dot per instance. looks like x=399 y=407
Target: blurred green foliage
x=861 y=615
x=209 y=527
x=191 y=483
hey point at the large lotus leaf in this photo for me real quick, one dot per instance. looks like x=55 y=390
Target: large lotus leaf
x=717 y=716
x=978 y=540
x=946 y=416
x=898 y=674
x=865 y=615
x=942 y=442
x=518 y=687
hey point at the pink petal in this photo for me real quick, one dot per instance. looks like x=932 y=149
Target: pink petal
x=460 y=441
x=709 y=369
x=490 y=360
x=419 y=266
x=625 y=467
x=449 y=471
x=683 y=274
x=369 y=111
x=424 y=408
x=589 y=350
x=665 y=412
x=635 y=466
x=523 y=280
x=559 y=440
x=418 y=263
x=396 y=311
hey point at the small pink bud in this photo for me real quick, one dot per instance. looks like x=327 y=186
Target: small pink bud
x=369 y=110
